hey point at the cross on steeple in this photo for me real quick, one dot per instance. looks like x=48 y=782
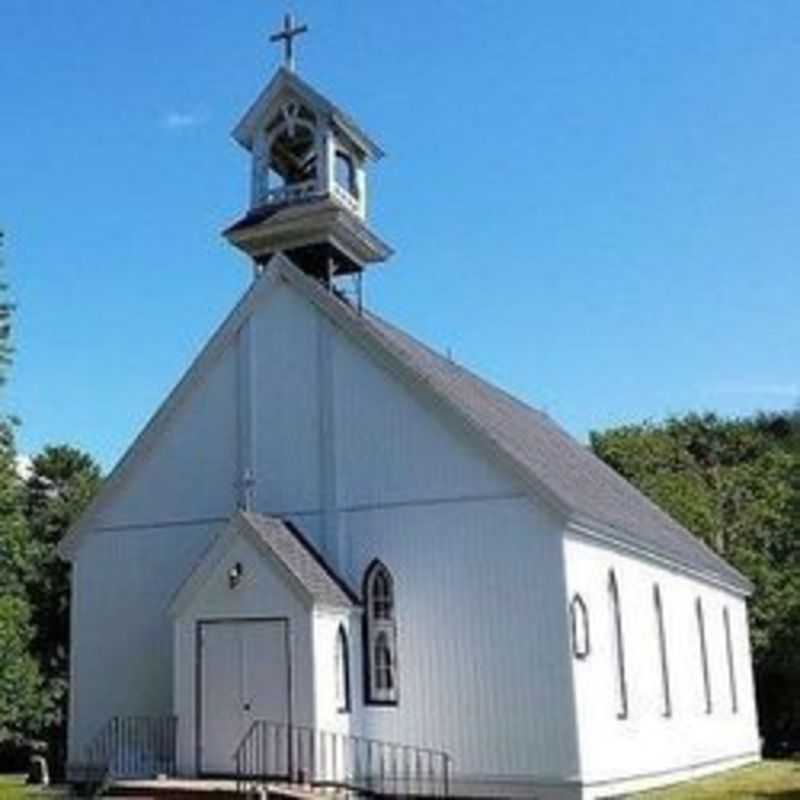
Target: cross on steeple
x=287 y=37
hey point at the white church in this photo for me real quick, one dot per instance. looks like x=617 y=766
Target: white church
x=334 y=557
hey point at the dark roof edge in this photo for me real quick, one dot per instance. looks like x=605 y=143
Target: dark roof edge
x=308 y=545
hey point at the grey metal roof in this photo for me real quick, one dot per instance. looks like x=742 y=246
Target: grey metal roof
x=301 y=559
x=588 y=489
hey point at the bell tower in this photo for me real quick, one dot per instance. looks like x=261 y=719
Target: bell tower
x=308 y=193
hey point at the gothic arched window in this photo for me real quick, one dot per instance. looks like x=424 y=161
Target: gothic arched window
x=579 y=619
x=380 y=637
x=662 y=651
x=726 y=621
x=701 y=635
x=342 y=671
x=617 y=646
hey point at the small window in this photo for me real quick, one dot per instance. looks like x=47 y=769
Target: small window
x=342 y=671
x=701 y=636
x=726 y=621
x=579 y=618
x=666 y=695
x=617 y=646
x=380 y=637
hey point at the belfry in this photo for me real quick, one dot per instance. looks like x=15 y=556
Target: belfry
x=308 y=194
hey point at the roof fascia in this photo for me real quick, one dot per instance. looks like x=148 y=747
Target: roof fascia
x=333 y=309
x=202 y=570
x=595 y=531
x=284 y=79
x=275 y=562
x=258 y=291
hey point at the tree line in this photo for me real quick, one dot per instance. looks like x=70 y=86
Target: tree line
x=735 y=483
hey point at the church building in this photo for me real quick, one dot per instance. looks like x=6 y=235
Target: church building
x=335 y=557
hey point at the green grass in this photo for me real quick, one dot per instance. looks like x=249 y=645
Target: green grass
x=769 y=780
x=12 y=787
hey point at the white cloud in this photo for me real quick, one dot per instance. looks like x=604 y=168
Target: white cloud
x=175 y=120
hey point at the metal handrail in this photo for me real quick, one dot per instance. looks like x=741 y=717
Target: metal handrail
x=134 y=747
x=277 y=751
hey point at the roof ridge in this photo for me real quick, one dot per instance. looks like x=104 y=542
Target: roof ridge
x=545 y=453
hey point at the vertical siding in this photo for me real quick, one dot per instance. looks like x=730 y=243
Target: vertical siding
x=647 y=741
x=121 y=657
x=392 y=446
x=287 y=419
x=191 y=471
x=481 y=638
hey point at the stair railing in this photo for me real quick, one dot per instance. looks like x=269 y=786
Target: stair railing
x=278 y=752
x=133 y=747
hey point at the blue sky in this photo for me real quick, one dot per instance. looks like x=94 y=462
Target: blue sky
x=594 y=204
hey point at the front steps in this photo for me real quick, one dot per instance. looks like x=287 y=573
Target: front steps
x=189 y=789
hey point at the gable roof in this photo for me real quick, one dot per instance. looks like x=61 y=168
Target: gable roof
x=563 y=471
x=555 y=467
x=244 y=132
x=303 y=561
x=280 y=541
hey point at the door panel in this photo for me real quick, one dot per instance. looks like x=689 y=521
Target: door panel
x=244 y=673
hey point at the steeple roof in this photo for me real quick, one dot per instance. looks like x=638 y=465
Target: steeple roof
x=283 y=80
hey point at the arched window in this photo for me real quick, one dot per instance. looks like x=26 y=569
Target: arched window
x=617 y=646
x=726 y=621
x=662 y=651
x=345 y=173
x=342 y=670
x=701 y=635
x=579 y=619
x=380 y=637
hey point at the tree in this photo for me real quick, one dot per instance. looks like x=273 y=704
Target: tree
x=62 y=482
x=735 y=484
x=24 y=706
x=6 y=310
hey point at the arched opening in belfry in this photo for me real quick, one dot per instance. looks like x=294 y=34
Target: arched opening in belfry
x=345 y=173
x=293 y=156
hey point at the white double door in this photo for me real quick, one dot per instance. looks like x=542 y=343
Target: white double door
x=244 y=676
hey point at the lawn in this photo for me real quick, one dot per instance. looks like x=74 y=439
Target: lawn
x=769 y=780
x=12 y=787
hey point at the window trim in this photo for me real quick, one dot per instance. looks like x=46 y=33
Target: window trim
x=342 y=665
x=701 y=632
x=618 y=647
x=577 y=607
x=666 y=692
x=372 y=627
x=726 y=622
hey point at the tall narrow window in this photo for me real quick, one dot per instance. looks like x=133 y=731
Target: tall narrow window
x=380 y=637
x=579 y=618
x=726 y=621
x=618 y=646
x=701 y=635
x=666 y=695
x=342 y=669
